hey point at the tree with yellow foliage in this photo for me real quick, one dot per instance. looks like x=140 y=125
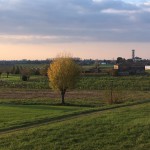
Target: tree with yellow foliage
x=62 y=74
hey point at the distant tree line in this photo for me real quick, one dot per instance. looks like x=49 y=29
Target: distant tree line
x=82 y=62
x=20 y=62
x=20 y=66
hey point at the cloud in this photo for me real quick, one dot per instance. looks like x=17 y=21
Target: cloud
x=44 y=21
x=115 y=11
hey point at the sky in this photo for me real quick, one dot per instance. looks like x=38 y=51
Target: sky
x=97 y=29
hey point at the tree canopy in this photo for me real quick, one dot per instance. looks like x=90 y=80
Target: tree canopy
x=62 y=73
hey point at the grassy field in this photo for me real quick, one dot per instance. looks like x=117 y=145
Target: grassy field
x=13 y=116
x=25 y=104
x=14 y=81
x=85 y=82
x=124 y=83
x=90 y=91
x=119 y=129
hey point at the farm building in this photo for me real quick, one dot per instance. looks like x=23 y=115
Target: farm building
x=127 y=68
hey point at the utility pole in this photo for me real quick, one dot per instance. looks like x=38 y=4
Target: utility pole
x=111 y=92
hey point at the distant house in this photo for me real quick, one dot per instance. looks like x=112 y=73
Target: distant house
x=130 y=68
x=147 y=67
x=103 y=63
x=137 y=59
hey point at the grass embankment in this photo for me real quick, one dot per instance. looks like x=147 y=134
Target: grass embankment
x=123 y=128
x=14 y=116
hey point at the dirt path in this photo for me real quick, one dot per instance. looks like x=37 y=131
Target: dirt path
x=68 y=117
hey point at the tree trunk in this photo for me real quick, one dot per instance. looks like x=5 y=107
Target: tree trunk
x=63 y=97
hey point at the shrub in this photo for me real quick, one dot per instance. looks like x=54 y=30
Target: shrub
x=24 y=78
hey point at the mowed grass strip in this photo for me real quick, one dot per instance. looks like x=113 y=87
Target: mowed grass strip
x=119 y=129
x=13 y=116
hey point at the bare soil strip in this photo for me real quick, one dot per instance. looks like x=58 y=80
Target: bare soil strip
x=30 y=94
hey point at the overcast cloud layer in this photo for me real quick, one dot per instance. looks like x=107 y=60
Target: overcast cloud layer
x=44 y=21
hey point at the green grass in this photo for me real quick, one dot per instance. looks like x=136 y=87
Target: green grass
x=14 y=81
x=12 y=116
x=85 y=82
x=120 y=129
x=123 y=83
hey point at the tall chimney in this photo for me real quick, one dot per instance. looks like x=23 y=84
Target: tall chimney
x=133 y=54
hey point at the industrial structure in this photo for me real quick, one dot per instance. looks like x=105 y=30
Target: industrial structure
x=130 y=68
x=133 y=55
x=133 y=67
